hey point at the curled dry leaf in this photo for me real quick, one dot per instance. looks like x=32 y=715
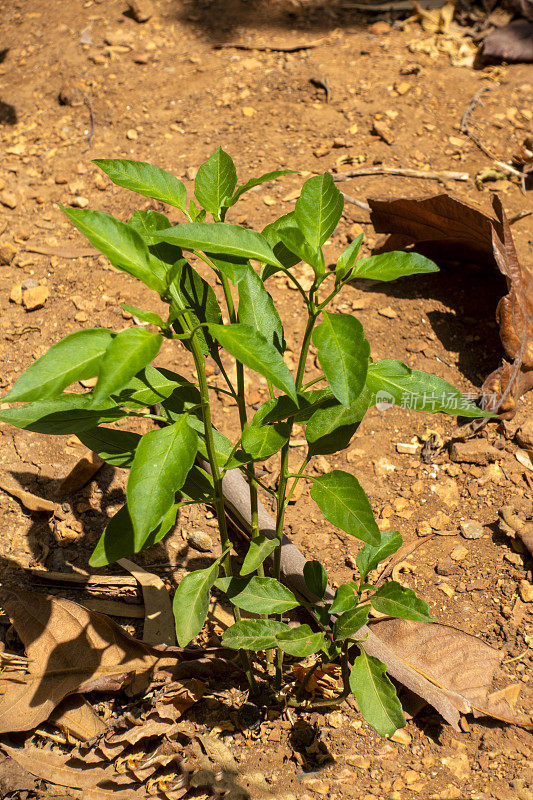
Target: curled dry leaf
x=159 y=625
x=514 y=314
x=76 y=716
x=443 y=227
x=452 y=660
x=72 y=649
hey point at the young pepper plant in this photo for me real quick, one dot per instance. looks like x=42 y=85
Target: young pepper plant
x=184 y=460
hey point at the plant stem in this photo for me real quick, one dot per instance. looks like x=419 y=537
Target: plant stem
x=217 y=484
x=284 y=468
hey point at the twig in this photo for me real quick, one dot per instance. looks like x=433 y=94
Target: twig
x=395 y=5
x=91 y=115
x=271 y=48
x=82 y=580
x=517 y=217
x=464 y=126
x=404 y=551
x=405 y=173
x=361 y=203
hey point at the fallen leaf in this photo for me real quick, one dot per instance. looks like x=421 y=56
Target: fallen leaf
x=159 y=625
x=28 y=500
x=443 y=227
x=67 y=771
x=76 y=716
x=71 y=649
x=513 y=42
x=515 y=317
x=451 y=659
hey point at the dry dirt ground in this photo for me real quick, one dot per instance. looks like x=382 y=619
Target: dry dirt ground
x=163 y=91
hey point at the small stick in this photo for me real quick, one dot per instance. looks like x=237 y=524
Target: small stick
x=270 y=48
x=464 y=126
x=360 y=203
x=405 y=173
x=82 y=580
x=91 y=115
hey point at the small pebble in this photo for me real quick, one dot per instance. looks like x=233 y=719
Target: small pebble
x=471 y=529
x=200 y=540
x=388 y=312
x=459 y=553
x=132 y=134
x=526 y=591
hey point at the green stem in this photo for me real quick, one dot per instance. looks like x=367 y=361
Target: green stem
x=217 y=481
x=284 y=470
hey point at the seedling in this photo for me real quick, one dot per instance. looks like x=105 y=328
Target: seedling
x=184 y=460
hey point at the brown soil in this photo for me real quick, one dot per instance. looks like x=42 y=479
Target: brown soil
x=164 y=92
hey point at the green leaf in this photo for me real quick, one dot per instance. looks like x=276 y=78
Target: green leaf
x=253 y=635
x=319 y=209
x=145 y=316
x=258 y=595
x=343 y=354
x=394 y=382
x=343 y=502
x=350 y=622
x=120 y=243
x=369 y=556
x=397 y=601
x=68 y=413
x=128 y=353
x=162 y=460
x=295 y=241
x=118 y=541
x=389 y=266
x=198 y=486
x=191 y=602
x=245 y=187
x=332 y=416
x=316 y=578
x=347 y=259
x=149 y=387
x=145 y=179
x=260 y=548
x=215 y=180
x=114 y=446
x=375 y=695
x=232 y=267
x=344 y=600
x=219 y=238
x=301 y=641
x=272 y=234
x=279 y=408
x=261 y=442
x=197 y=295
x=252 y=349
x=74 y=358
x=256 y=308
x=197 y=214
x=146 y=222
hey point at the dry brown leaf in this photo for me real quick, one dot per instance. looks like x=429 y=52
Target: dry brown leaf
x=13 y=778
x=80 y=474
x=515 y=317
x=28 y=500
x=449 y=658
x=159 y=625
x=71 y=649
x=76 y=716
x=64 y=770
x=443 y=227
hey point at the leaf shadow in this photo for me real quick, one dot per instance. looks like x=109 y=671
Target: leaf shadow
x=469 y=295
x=220 y=20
